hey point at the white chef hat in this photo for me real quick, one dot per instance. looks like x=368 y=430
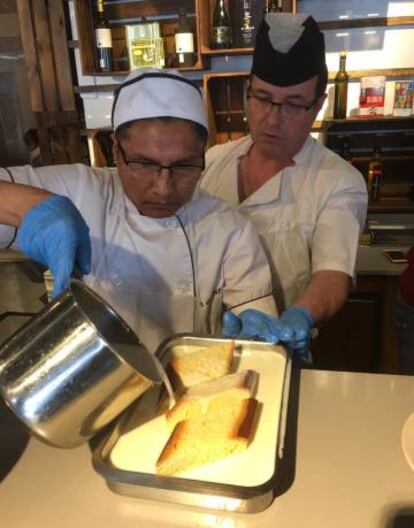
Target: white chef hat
x=150 y=93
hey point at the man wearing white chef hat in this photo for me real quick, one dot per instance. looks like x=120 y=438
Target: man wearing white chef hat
x=166 y=255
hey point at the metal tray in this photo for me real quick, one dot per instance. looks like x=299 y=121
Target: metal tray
x=246 y=482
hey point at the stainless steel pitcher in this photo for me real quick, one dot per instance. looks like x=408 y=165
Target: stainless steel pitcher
x=74 y=367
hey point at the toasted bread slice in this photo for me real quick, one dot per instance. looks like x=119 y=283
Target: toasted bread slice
x=211 y=397
x=196 y=442
x=205 y=364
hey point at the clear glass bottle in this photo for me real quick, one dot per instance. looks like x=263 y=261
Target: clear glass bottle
x=221 y=37
x=184 y=41
x=341 y=88
x=103 y=39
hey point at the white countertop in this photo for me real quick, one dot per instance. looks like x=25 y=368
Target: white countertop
x=350 y=470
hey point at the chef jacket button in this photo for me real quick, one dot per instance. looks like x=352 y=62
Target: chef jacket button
x=171 y=223
x=116 y=279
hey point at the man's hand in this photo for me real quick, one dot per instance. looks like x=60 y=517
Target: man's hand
x=293 y=328
x=253 y=324
x=55 y=234
x=300 y=322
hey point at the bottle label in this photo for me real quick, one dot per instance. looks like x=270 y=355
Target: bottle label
x=184 y=43
x=374 y=179
x=247 y=35
x=221 y=35
x=103 y=38
x=103 y=63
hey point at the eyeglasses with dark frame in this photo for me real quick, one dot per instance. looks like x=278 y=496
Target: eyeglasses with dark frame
x=149 y=169
x=287 y=110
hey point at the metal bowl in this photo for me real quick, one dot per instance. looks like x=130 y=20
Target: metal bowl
x=73 y=368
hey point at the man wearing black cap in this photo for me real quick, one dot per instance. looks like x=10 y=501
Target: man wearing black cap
x=166 y=255
x=307 y=204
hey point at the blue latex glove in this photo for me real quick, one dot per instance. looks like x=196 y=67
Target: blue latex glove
x=300 y=321
x=293 y=328
x=253 y=324
x=54 y=233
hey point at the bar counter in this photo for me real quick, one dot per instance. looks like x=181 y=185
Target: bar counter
x=350 y=470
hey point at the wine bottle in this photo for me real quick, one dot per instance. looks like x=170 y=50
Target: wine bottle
x=274 y=6
x=341 y=88
x=246 y=16
x=375 y=175
x=184 y=41
x=221 y=34
x=346 y=153
x=103 y=38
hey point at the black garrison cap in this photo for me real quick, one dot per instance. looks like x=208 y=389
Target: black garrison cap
x=290 y=49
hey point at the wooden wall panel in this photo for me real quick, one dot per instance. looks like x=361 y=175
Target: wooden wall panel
x=47 y=58
x=61 y=54
x=29 y=46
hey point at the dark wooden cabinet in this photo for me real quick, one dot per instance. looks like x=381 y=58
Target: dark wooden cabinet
x=225 y=98
x=361 y=336
x=394 y=137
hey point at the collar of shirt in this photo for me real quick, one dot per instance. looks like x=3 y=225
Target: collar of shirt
x=301 y=156
x=270 y=191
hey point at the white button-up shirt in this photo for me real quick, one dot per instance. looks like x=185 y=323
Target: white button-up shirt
x=309 y=216
x=163 y=275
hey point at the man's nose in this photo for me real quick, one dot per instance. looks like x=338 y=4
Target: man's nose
x=274 y=116
x=163 y=183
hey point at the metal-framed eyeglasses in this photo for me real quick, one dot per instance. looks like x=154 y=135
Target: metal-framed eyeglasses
x=265 y=104
x=143 y=168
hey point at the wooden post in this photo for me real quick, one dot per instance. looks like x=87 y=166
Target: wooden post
x=44 y=38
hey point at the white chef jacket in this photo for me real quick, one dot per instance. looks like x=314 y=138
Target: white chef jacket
x=166 y=275
x=309 y=216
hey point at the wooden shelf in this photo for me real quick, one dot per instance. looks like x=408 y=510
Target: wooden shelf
x=231 y=112
x=91 y=88
x=393 y=73
x=208 y=76
x=318 y=126
x=224 y=52
x=357 y=119
x=391 y=205
x=367 y=22
x=120 y=14
x=123 y=73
